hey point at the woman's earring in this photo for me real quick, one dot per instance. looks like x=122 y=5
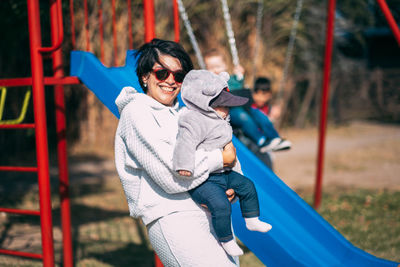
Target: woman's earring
x=145 y=85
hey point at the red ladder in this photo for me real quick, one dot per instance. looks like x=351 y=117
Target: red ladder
x=37 y=81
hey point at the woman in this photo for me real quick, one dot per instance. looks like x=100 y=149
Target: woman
x=179 y=230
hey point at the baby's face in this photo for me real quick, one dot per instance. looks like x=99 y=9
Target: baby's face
x=222 y=111
x=215 y=64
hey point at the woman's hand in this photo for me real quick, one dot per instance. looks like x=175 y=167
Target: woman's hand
x=230 y=194
x=229 y=155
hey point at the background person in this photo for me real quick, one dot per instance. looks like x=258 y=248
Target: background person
x=262 y=97
x=253 y=123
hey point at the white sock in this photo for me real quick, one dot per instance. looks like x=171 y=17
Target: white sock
x=254 y=224
x=232 y=248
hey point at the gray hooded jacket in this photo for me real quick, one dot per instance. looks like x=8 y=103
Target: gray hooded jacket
x=200 y=126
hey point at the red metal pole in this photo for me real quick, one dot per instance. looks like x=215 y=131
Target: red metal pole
x=19 y=211
x=42 y=154
x=324 y=100
x=61 y=139
x=114 y=29
x=18 y=169
x=149 y=27
x=157 y=261
x=129 y=4
x=101 y=30
x=176 y=21
x=21 y=254
x=85 y=6
x=72 y=18
x=389 y=17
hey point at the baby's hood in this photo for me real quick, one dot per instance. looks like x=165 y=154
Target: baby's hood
x=200 y=86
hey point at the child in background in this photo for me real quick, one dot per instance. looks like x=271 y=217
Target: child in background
x=215 y=62
x=205 y=124
x=262 y=95
x=252 y=122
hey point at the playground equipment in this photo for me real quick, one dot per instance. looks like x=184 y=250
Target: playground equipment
x=300 y=237
x=24 y=108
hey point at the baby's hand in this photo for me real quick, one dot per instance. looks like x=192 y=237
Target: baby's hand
x=185 y=173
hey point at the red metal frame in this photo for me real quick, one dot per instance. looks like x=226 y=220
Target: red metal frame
x=20 y=211
x=101 y=30
x=61 y=128
x=21 y=254
x=176 y=20
x=85 y=7
x=389 y=17
x=41 y=133
x=72 y=18
x=37 y=81
x=114 y=31
x=149 y=26
x=130 y=37
x=330 y=21
x=14 y=82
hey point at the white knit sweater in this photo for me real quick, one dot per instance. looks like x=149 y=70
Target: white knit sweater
x=144 y=145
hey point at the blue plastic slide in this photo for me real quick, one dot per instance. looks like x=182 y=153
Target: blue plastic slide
x=299 y=236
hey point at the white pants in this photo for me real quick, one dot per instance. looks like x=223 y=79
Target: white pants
x=187 y=239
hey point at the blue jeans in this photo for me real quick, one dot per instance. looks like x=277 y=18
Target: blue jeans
x=212 y=194
x=253 y=123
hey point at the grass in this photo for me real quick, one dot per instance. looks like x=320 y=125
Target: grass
x=104 y=234
x=368 y=219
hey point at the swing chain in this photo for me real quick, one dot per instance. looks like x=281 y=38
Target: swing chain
x=189 y=30
x=229 y=31
x=260 y=9
x=289 y=51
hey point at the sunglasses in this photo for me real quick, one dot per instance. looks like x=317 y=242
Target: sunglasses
x=163 y=74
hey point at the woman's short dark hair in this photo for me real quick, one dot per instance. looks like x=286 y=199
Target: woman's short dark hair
x=149 y=54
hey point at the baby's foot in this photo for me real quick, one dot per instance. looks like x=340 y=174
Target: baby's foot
x=232 y=248
x=254 y=224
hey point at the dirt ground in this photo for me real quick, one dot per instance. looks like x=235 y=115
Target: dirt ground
x=358 y=155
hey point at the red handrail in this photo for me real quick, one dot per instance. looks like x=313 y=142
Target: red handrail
x=42 y=155
x=21 y=211
x=17 y=126
x=18 y=169
x=21 y=254
x=61 y=129
x=27 y=81
x=56 y=45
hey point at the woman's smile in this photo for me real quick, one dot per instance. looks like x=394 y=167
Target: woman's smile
x=166 y=90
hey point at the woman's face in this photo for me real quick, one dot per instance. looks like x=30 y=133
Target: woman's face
x=165 y=91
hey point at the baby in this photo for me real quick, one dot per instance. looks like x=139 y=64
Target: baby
x=205 y=124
